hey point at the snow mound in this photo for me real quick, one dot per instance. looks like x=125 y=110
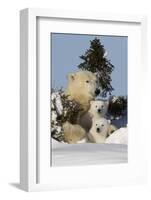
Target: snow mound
x=120 y=136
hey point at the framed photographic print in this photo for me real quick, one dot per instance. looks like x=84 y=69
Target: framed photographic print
x=81 y=78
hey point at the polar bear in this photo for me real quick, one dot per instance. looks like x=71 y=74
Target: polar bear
x=98 y=109
x=100 y=130
x=82 y=88
x=74 y=134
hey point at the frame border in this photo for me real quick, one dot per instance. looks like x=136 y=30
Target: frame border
x=28 y=81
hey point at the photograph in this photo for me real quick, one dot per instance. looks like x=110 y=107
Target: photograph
x=88 y=99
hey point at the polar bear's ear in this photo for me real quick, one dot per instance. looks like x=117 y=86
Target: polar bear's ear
x=71 y=77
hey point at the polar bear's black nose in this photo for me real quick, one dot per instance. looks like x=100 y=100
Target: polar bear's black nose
x=97 y=91
x=98 y=130
x=99 y=110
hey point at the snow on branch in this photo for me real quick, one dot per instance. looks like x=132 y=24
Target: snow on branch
x=62 y=110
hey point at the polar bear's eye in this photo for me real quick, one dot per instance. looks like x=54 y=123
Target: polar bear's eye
x=102 y=124
x=96 y=124
x=87 y=81
x=96 y=106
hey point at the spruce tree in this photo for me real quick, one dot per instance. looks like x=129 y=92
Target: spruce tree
x=95 y=60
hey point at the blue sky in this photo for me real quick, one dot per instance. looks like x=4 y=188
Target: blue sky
x=66 y=49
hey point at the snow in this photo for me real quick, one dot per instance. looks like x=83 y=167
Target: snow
x=82 y=141
x=105 y=54
x=54 y=115
x=115 y=98
x=120 y=136
x=58 y=102
x=87 y=154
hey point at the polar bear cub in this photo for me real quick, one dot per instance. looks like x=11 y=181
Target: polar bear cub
x=100 y=130
x=98 y=108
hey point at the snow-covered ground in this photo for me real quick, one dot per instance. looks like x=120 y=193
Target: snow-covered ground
x=120 y=136
x=87 y=154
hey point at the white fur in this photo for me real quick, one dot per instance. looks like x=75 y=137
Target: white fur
x=98 y=108
x=99 y=130
x=81 y=88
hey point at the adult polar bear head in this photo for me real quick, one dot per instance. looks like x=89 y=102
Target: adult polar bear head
x=82 y=87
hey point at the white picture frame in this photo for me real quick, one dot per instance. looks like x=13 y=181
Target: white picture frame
x=30 y=166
